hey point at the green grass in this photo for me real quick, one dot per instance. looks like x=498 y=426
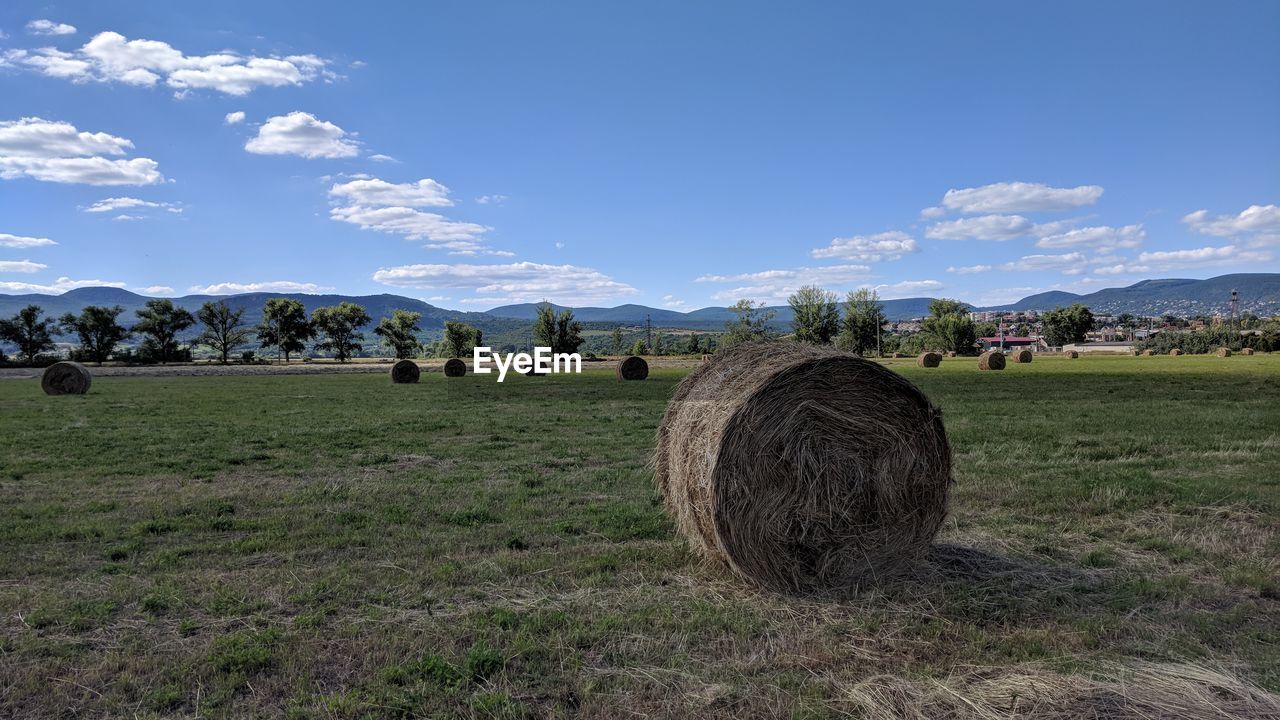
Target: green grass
x=335 y=546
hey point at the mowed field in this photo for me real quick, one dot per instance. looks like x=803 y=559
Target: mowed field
x=334 y=546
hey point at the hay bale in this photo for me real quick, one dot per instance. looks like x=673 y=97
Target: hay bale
x=899 y=355
x=929 y=360
x=1072 y=354
x=1148 y=353
x=66 y=378
x=454 y=367
x=991 y=360
x=1022 y=356
x=951 y=353
x=706 y=358
x=1246 y=351
x=633 y=368
x=801 y=468
x=1175 y=352
x=1224 y=352
x=405 y=372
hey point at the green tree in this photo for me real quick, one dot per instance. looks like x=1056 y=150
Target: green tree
x=560 y=332
x=160 y=321
x=948 y=327
x=616 y=338
x=1065 y=325
x=752 y=323
x=339 y=326
x=224 y=330
x=30 y=331
x=659 y=345
x=638 y=348
x=863 y=319
x=459 y=337
x=99 y=331
x=815 y=317
x=695 y=344
x=285 y=326
x=400 y=333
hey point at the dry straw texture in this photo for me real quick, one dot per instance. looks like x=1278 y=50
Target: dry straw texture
x=991 y=360
x=66 y=378
x=1072 y=354
x=1247 y=351
x=1148 y=353
x=929 y=360
x=951 y=353
x=1022 y=356
x=1175 y=352
x=405 y=372
x=454 y=367
x=1144 y=691
x=635 y=368
x=803 y=469
x=1224 y=352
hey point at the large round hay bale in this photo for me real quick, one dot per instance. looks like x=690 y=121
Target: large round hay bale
x=454 y=367
x=1246 y=351
x=1022 y=356
x=405 y=372
x=1148 y=353
x=801 y=468
x=929 y=359
x=633 y=368
x=1224 y=352
x=66 y=378
x=991 y=360
x=1175 y=352
x=1073 y=354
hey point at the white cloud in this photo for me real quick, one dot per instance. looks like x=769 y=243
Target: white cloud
x=300 y=133
x=906 y=288
x=514 y=282
x=1162 y=260
x=1069 y=263
x=21 y=266
x=155 y=290
x=58 y=287
x=491 y=199
x=984 y=227
x=111 y=57
x=1260 y=221
x=1101 y=237
x=969 y=269
x=930 y=213
x=129 y=203
x=233 y=288
x=20 y=241
x=126 y=217
x=869 y=248
x=1014 y=197
x=233 y=118
x=377 y=192
x=58 y=152
x=379 y=157
x=49 y=27
x=778 y=285
x=673 y=302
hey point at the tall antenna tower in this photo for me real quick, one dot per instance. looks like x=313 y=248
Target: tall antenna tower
x=648 y=333
x=1235 y=302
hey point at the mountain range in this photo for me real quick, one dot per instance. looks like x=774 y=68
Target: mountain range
x=1259 y=293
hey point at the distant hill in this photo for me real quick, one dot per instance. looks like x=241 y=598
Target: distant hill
x=1259 y=294
x=708 y=318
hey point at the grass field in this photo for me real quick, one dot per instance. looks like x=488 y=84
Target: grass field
x=334 y=546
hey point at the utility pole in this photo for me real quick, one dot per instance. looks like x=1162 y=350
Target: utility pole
x=648 y=333
x=1235 y=301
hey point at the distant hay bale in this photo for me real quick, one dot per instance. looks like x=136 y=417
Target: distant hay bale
x=1022 y=356
x=899 y=355
x=66 y=378
x=405 y=372
x=1224 y=352
x=1148 y=353
x=633 y=368
x=1246 y=351
x=454 y=367
x=991 y=360
x=951 y=353
x=803 y=469
x=1072 y=354
x=706 y=358
x=1175 y=352
x=929 y=359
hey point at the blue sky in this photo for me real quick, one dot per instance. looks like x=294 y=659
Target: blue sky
x=669 y=153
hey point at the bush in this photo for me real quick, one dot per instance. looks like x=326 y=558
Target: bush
x=1204 y=342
